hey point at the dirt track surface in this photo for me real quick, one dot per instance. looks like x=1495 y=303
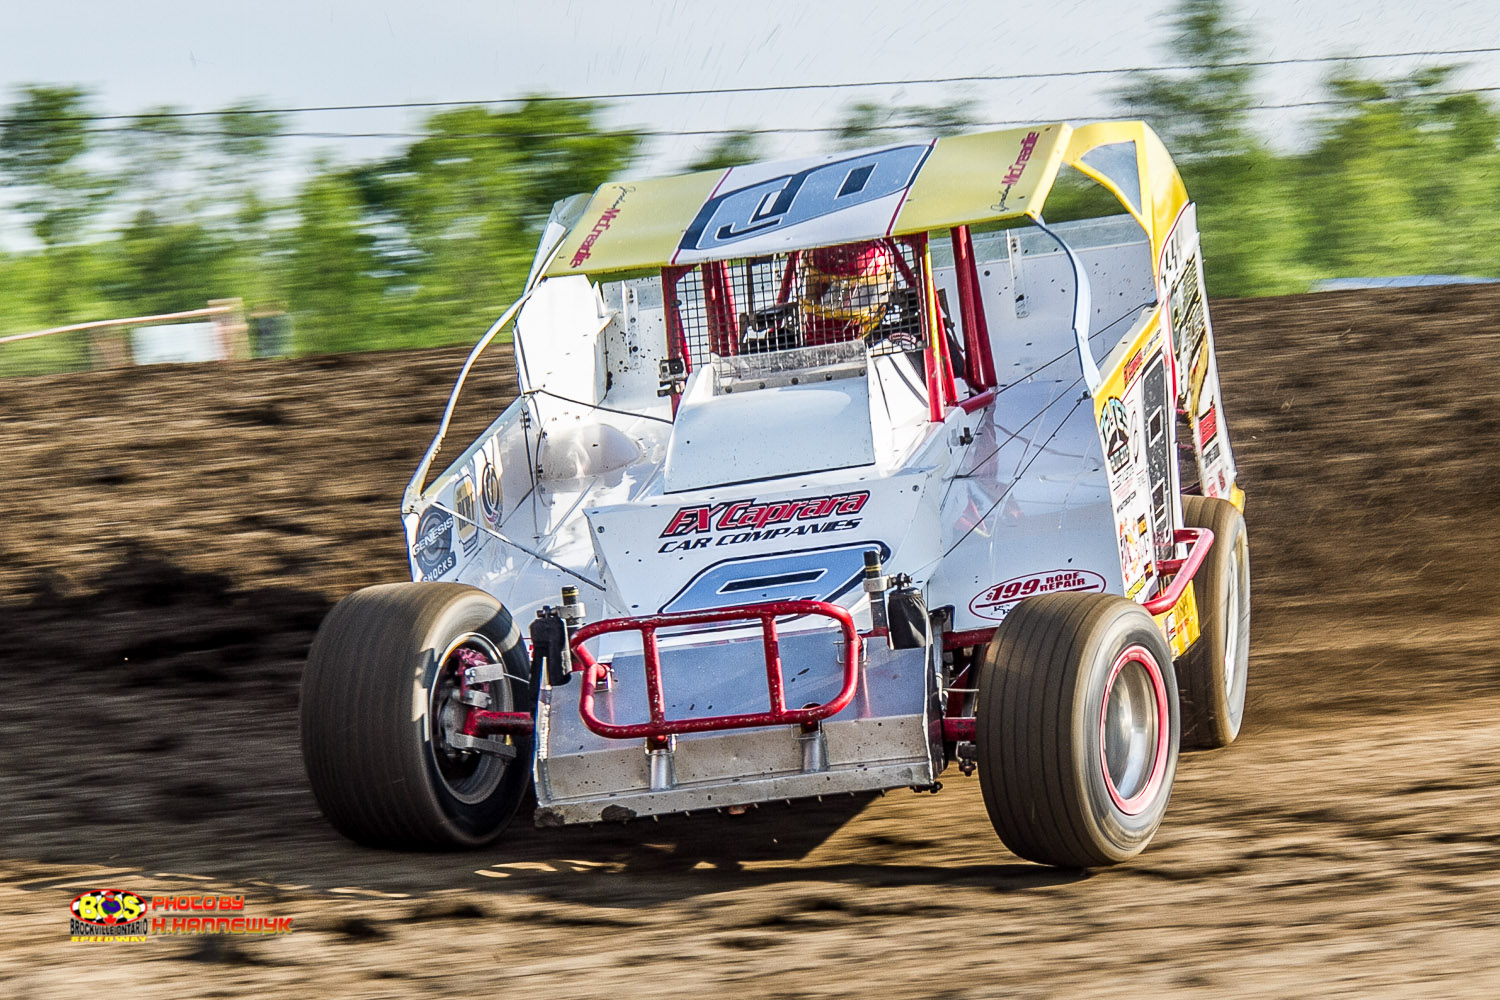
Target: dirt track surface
x=174 y=535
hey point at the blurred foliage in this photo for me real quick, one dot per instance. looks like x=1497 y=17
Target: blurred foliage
x=1401 y=177
x=163 y=213
x=448 y=229
x=1205 y=113
x=44 y=145
x=728 y=151
x=1410 y=176
x=425 y=247
x=867 y=124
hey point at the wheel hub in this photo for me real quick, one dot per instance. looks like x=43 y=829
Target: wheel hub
x=469 y=776
x=1133 y=730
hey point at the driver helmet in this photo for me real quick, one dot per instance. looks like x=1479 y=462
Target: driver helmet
x=845 y=290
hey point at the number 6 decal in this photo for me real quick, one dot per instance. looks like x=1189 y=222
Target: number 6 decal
x=808 y=574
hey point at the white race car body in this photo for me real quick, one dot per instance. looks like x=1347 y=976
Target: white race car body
x=768 y=475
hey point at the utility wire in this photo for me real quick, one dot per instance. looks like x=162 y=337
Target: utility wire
x=769 y=88
x=649 y=133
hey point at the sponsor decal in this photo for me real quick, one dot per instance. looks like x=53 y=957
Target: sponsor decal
x=1135 y=556
x=1208 y=426
x=817 y=574
x=755 y=521
x=433 y=546
x=1171 y=251
x=464 y=507
x=790 y=199
x=1114 y=428
x=115 y=915
x=601 y=226
x=1160 y=457
x=490 y=500
x=1013 y=175
x=996 y=602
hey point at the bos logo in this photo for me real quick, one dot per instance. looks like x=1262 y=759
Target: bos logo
x=809 y=194
x=107 y=907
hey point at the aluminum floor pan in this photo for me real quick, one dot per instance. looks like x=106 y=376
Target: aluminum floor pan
x=887 y=737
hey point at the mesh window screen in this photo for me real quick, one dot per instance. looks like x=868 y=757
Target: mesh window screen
x=805 y=299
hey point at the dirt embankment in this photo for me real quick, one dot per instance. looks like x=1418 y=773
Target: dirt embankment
x=173 y=536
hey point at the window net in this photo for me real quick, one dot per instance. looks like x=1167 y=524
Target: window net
x=801 y=309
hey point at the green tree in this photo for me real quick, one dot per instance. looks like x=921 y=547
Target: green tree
x=1404 y=177
x=245 y=141
x=1248 y=213
x=430 y=246
x=457 y=216
x=1204 y=112
x=865 y=123
x=729 y=150
x=335 y=283
x=194 y=223
x=154 y=155
x=44 y=139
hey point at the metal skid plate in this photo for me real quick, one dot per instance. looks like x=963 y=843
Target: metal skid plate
x=887 y=737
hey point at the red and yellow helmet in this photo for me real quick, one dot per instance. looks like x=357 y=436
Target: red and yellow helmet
x=845 y=290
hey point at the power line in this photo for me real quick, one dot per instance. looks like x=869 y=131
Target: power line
x=648 y=133
x=769 y=88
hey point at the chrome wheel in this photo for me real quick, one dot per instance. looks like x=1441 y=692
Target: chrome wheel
x=1133 y=744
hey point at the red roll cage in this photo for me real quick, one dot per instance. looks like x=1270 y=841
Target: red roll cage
x=942 y=388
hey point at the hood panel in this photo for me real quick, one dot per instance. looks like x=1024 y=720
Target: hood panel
x=785 y=430
x=738 y=546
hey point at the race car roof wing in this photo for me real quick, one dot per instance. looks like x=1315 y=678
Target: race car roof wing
x=895 y=190
x=845 y=197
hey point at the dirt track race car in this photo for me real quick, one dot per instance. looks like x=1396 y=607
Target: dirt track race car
x=824 y=475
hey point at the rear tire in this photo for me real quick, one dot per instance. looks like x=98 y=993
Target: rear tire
x=1077 y=729
x=379 y=682
x=1212 y=674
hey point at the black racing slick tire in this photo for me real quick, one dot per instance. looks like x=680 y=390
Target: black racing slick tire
x=1212 y=674
x=1077 y=729
x=379 y=698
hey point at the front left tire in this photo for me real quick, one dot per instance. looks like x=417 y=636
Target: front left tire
x=380 y=705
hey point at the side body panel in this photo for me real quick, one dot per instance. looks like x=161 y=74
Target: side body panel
x=1029 y=510
x=1197 y=387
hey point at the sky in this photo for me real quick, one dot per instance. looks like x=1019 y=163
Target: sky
x=294 y=53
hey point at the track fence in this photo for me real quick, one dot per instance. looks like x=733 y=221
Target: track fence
x=220 y=331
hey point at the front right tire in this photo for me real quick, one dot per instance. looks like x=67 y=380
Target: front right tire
x=1077 y=729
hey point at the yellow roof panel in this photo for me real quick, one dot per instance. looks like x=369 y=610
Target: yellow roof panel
x=841 y=197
